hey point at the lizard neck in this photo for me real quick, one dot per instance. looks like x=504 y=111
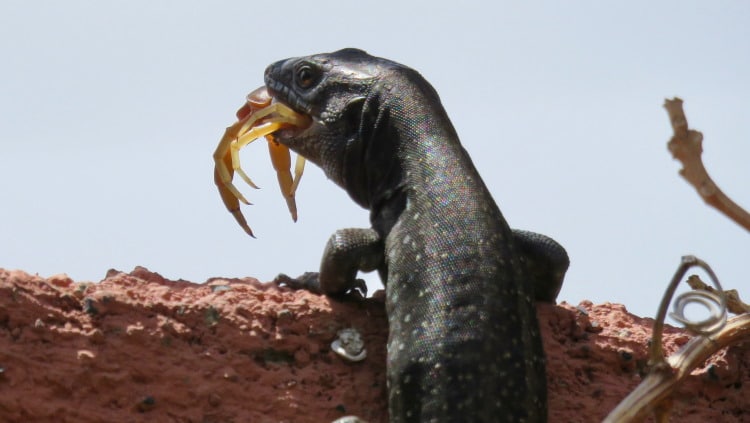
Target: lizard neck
x=412 y=156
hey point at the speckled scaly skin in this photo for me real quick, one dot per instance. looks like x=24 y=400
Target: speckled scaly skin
x=464 y=342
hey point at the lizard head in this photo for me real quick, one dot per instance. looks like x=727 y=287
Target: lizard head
x=365 y=112
x=336 y=91
x=322 y=85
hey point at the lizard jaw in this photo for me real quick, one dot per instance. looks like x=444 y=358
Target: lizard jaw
x=278 y=90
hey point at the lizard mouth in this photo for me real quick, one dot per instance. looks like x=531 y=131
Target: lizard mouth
x=260 y=99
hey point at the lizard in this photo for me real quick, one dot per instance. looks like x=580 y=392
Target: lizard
x=464 y=341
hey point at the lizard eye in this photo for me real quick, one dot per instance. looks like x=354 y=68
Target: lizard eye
x=306 y=76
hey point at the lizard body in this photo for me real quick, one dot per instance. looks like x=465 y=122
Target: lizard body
x=464 y=342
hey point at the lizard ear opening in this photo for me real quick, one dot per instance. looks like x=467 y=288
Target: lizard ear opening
x=352 y=114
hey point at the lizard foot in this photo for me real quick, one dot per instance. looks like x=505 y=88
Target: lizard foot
x=310 y=281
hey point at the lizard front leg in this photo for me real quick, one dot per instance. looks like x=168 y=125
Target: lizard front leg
x=347 y=252
x=546 y=262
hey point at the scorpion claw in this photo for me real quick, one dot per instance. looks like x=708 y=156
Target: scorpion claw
x=240 y=218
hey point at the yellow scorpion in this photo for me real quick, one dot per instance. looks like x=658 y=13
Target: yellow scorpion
x=260 y=116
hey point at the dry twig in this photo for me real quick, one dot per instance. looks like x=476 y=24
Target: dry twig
x=653 y=394
x=686 y=146
x=734 y=303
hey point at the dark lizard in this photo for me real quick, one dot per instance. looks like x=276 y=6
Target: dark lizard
x=464 y=342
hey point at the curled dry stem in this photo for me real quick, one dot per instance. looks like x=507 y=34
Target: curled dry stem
x=659 y=384
x=713 y=334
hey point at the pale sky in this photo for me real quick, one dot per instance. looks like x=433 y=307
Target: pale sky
x=110 y=112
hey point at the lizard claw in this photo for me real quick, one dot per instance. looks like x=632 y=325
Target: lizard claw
x=359 y=288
